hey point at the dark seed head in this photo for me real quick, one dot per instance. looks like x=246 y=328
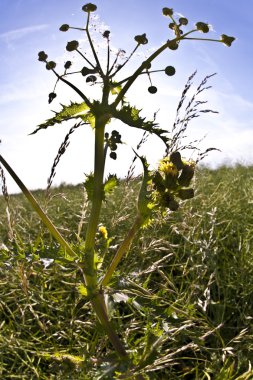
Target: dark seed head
x=170 y=70
x=89 y=7
x=64 y=28
x=42 y=56
x=50 y=65
x=72 y=45
x=152 y=89
x=113 y=155
x=91 y=79
x=202 y=27
x=141 y=39
x=51 y=97
x=67 y=65
x=167 y=11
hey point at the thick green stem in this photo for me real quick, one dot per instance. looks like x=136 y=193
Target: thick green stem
x=124 y=247
x=96 y=296
x=98 y=193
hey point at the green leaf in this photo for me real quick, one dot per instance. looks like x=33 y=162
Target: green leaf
x=110 y=184
x=89 y=186
x=115 y=90
x=82 y=290
x=73 y=111
x=131 y=116
x=145 y=204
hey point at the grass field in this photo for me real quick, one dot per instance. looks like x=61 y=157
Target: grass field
x=181 y=299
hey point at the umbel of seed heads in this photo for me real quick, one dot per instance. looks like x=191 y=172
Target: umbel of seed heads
x=172 y=181
x=112 y=142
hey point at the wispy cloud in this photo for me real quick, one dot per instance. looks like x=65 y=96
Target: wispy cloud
x=16 y=34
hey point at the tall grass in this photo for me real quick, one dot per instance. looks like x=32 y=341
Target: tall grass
x=183 y=306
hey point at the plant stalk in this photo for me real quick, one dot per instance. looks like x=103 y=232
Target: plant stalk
x=52 y=229
x=124 y=247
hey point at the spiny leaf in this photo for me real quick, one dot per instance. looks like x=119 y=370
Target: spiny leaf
x=73 y=111
x=145 y=204
x=110 y=184
x=89 y=186
x=131 y=116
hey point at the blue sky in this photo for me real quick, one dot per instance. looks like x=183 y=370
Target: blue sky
x=29 y=26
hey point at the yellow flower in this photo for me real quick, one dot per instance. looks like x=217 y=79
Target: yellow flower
x=103 y=232
x=167 y=167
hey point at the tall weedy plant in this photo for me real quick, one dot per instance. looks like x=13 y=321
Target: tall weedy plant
x=161 y=190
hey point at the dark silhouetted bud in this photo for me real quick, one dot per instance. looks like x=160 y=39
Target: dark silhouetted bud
x=173 y=45
x=50 y=65
x=91 y=79
x=64 y=28
x=89 y=7
x=113 y=155
x=172 y=26
x=152 y=89
x=186 y=193
x=167 y=11
x=175 y=158
x=42 y=56
x=186 y=175
x=202 y=27
x=141 y=39
x=173 y=205
x=51 y=97
x=85 y=71
x=106 y=135
x=183 y=21
x=113 y=146
x=72 y=45
x=227 y=40
x=67 y=65
x=170 y=70
x=106 y=34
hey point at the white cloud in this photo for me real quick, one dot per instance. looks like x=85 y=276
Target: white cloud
x=16 y=34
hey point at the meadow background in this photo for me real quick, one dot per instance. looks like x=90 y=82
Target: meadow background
x=181 y=299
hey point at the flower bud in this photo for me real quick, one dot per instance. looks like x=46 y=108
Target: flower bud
x=183 y=21
x=173 y=45
x=202 y=27
x=85 y=71
x=227 y=40
x=172 y=26
x=152 y=89
x=113 y=155
x=51 y=97
x=42 y=56
x=64 y=28
x=67 y=65
x=106 y=34
x=89 y=8
x=175 y=158
x=91 y=78
x=173 y=205
x=141 y=39
x=50 y=65
x=167 y=11
x=186 y=193
x=186 y=175
x=170 y=70
x=72 y=45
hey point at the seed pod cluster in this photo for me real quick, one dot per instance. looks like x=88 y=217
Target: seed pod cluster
x=172 y=180
x=112 y=142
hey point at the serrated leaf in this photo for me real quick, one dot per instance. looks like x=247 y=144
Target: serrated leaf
x=89 y=186
x=131 y=116
x=116 y=90
x=145 y=204
x=73 y=111
x=110 y=184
